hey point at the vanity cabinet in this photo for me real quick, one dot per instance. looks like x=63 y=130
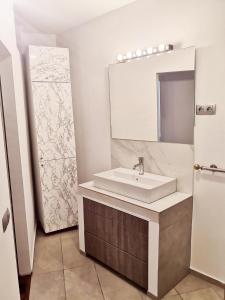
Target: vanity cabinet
x=118 y=240
x=148 y=243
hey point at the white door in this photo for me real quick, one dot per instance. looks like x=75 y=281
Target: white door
x=9 y=289
x=208 y=243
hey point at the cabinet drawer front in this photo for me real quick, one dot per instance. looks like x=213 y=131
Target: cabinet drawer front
x=120 y=261
x=100 y=209
x=120 y=229
x=133 y=236
x=102 y=227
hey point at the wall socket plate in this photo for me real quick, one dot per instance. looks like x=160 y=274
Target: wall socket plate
x=206 y=109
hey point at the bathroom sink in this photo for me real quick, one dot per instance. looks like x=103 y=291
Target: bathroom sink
x=148 y=187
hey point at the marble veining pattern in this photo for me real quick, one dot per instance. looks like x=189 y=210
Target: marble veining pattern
x=49 y=64
x=53 y=120
x=173 y=160
x=59 y=184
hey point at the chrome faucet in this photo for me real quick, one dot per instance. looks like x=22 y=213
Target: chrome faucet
x=140 y=165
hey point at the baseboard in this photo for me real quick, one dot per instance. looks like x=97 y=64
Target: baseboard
x=207 y=278
x=24 y=284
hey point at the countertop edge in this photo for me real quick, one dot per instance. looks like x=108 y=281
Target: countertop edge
x=156 y=206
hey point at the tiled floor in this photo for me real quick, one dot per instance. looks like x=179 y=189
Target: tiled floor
x=62 y=273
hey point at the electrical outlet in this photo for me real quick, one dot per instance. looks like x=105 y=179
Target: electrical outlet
x=208 y=109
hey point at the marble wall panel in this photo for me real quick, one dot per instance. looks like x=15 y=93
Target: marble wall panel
x=173 y=160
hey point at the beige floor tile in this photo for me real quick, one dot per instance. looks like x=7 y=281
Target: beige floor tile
x=173 y=297
x=48 y=286
x=144 y=296
x=82 y=284
x=48 y=255
x=41 y=234
x=115 y=288
x=173 y=292
x=219 y=291
x=191 y=283
x=70 y=233
x=71 y=254
x=203 y=294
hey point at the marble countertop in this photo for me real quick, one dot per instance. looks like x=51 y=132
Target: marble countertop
x=157 y=206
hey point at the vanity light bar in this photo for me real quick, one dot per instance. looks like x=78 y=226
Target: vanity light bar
x=144 y=52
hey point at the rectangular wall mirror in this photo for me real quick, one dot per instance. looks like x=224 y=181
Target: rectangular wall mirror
x=152 y=98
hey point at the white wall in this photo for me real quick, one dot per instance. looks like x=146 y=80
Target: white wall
x=96 y=44
x=27 y=34
x=23 y=202
x=208 y=239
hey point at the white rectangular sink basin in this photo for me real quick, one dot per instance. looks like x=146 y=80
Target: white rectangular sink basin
x=148 y=187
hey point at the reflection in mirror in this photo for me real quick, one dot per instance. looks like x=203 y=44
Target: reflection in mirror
x=176 y=92
x=152 y=98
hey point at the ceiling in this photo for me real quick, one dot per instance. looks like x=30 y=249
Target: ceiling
x=57 y=16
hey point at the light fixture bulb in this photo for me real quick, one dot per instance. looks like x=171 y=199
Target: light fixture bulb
x=150 y=50
x=124 y=57
x=155 y=50
x=129 y=55
x=162 y=48
x=139 y=53
x=120 y=57
x=144 y=52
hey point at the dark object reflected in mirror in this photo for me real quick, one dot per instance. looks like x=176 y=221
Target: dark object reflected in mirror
x=176 y=107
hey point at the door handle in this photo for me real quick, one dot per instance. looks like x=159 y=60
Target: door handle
x=5 y=220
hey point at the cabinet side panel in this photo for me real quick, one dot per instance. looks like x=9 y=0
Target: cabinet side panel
x=174 y=246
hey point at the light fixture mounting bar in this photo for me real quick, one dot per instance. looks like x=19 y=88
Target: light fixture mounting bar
x=144 y=52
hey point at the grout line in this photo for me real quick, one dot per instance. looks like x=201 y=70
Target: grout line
x=99 y=282
x=199 y=290
x=178 y=293
x=47 y=272
x=64 y=283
